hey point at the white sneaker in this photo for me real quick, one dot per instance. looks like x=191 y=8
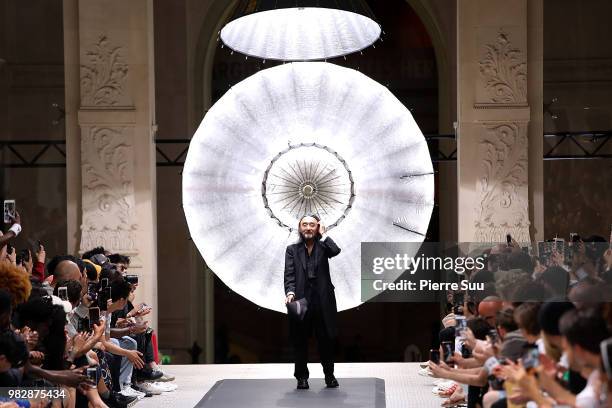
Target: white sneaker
x=164 y=386
x=426 y=372
x=149 y=388
x=128 y=391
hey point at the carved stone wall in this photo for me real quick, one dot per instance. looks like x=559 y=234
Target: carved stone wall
x=503 y=72
x=502 y=203
x=109 y=217
x=499 y=126
x=104 y=72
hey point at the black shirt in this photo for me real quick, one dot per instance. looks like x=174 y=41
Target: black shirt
x=310 y=262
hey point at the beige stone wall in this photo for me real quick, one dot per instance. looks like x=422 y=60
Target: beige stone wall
x=497 y=130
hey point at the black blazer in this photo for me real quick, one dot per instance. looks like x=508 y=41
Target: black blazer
x=295 y=276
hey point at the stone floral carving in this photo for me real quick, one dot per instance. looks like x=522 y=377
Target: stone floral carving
x=504 y=72
x=103 y=75
x=502 y=186
x=108 y=192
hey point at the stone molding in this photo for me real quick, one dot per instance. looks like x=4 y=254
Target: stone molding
x=502 y=186
x=109 y=213
x=104 y=73
x=503 y=74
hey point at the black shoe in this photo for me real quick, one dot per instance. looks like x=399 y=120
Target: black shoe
x=302 y=384
x=148 y=374
x=331 y=382
x=117 y=400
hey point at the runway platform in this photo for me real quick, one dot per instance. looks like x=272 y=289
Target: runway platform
x=403 y=387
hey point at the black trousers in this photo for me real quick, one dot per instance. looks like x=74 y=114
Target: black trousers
x=145 y=346
x=301 y=330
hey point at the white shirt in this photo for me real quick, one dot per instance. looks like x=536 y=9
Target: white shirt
x=589 y=398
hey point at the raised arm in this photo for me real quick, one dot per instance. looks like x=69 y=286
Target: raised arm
x=331 y=249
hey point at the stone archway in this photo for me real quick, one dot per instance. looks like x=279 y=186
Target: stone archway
x=204 y=65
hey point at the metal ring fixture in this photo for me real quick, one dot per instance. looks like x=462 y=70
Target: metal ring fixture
x=308 y=178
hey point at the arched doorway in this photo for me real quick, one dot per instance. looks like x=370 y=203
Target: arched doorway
x=405 y=62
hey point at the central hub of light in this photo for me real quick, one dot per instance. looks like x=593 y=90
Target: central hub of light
x=308 y=179
x=308 y=191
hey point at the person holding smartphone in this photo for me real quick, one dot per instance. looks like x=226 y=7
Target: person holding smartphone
x=13 y=231
x=307 y=276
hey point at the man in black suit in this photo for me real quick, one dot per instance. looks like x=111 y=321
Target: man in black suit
x=307 y=276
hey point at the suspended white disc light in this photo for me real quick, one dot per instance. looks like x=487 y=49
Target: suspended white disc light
x=301 y=30
x=301 y=138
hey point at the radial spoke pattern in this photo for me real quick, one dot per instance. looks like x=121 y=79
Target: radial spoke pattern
x=306 y=137
x=308 y=179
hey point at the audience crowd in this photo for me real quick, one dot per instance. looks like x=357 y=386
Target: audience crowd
x=537 y=335
x=71 y=326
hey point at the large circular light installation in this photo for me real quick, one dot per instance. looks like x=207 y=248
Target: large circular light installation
x=308 y=179
x=300 y=138
x=300 y=34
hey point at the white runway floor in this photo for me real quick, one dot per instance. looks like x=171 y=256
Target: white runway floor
x=403 y=386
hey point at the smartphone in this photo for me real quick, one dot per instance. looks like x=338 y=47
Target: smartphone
x=105 y=294
x=62 y=292
x=434 y=356
x=531 y=358
x=94 y=316
x=131 y=279
x=606 y=355
x=493 y=336
x=92 y=374
x=103 y=283
x=92 y=291
x=448 y=348
x=508 y=239
x=458 y=301
x=9 y=211
x=83 y=325
x=545 y=250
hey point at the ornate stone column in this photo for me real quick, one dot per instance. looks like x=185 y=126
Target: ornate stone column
x=113 y=92
x=499 y=120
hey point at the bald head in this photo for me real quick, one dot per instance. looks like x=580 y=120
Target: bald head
x=66 y=270
x=489 y=307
